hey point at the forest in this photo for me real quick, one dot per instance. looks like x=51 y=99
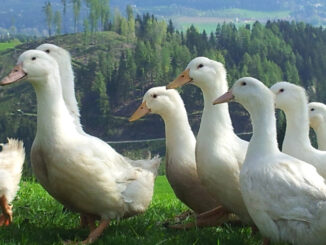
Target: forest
x=116 y=61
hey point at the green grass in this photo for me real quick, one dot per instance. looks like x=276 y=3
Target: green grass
x=39 y=219
x=8 y=45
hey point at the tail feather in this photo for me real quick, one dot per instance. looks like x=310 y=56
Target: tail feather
x=149 y=164
x=12 y=155
x=13 y=145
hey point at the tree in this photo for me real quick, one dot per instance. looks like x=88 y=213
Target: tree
x=57 y=22
x=170 y=28
x=76 y=5
x=86 y=31
x=117 y=18
x=131 y=23
x=104 y=13
x=123 y=30
x=47 y=9
x=64 y=11
x=99 y=88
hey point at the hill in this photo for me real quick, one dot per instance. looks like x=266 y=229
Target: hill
x=113 y=70
x=18 y=102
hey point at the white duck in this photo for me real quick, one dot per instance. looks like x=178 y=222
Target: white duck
x=317 y=117
x=81 y=171
x=12 y=158
x=62 y=57
x=285 y=197
x=180 y=166
x=219 y=151
x=293 y=101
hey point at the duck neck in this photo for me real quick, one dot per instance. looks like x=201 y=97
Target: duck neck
x=216 y=118
x=69 y=96
x=263 y=140
x=321 y=136
x=178 y=132
x=297 y=126
x=53 y=118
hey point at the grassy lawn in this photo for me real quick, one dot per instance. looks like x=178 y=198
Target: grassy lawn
x=11 y=44
x=39 y=219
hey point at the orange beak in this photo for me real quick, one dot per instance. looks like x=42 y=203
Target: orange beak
x=15 y=75
x=224 y=98
x=181 y=80
x=140 y=112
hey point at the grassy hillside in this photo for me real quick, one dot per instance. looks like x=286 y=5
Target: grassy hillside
x=18 y=102
x=8 y=45
x=39 y=219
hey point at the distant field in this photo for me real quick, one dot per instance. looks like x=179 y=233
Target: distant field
x=39 y=219
x=7 y=45
x=207 y=20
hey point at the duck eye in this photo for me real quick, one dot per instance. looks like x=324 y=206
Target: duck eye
x=154 y=96
x=33 y=58
x=47 y=51
x=243 y=84
x=312 y=109
x=281 y=90
x=200 y=66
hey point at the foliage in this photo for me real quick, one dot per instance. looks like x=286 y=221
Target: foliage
x=113 y=69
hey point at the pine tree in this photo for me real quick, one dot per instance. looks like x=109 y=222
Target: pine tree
x=47 y=9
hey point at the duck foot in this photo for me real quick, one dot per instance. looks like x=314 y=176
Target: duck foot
x=178 y=218
x=214 y=217
x=92 y=237
x=183 y=216
x=6 y=217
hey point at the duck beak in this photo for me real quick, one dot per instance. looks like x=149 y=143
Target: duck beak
x=140 y=112
x=224 y=98
x=182 y=79
x=15 y=75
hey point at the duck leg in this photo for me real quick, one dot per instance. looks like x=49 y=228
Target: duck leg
x=183 y=215
x=83 y=221
x=92 y=237
x=87 y=220
x=266 y=241
x=91 y=222
x=178 y=218
x=215 y=211
x=214 y=217
x=6 y=217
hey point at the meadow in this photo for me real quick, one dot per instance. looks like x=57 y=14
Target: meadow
x=39 y=219
x=7 y=45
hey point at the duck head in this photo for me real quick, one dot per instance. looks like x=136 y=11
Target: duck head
x=158 y=100
x=289 y=96
x=247 y=91
x=317 y=114
x=61 y=56
x=201 y=71
x=32 y=65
